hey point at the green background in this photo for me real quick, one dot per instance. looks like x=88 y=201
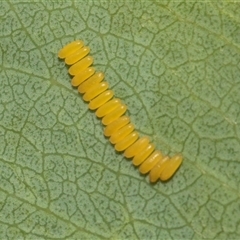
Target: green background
x=176 y=64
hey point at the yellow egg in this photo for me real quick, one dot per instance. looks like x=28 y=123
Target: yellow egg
x=80 y=65
x=70 y=48
x=141 y=156
x=100 y=100
x=121 y=133
x=82 y=76
x=117 y=124
x=78 y=55
x=114 y=115
x=126 y=142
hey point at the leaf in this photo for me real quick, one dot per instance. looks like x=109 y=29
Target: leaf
x=177 y=67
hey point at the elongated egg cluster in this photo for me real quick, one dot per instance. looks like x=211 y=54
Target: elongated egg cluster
x=118 y=127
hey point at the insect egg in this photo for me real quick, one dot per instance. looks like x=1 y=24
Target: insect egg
x=80 y=65
x=121 y=133
x=114 y=115
x=70 y=49
x=108 y=107
x=155 y=172
x=100 y=99
x=82 y=76
x=95 y=91
x=127 y=141
x=137 y=147
x=171 y=167
x=91 y=82
x=141 y=156
x=116 y=125
x=150 y=162
x=78 y=55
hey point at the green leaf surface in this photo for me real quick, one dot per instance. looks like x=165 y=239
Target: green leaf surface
x=176 y=64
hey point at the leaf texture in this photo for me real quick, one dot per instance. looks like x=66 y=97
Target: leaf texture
x=176 y=64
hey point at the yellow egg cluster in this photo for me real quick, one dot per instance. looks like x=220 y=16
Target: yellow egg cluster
x=119 y=129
